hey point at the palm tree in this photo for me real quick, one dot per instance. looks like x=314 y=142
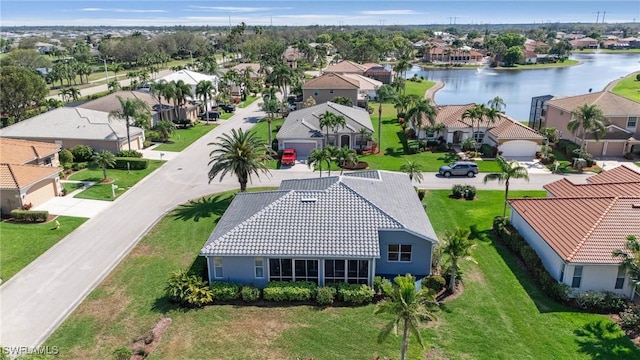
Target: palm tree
x=364 y=135
x=413 y=169
x=135 y=109
x=157 y=89
x=241 y=153
x=113 y=86
x=457 y=247
x=338 y=122
x=401 y=68
x=74 y=93
x=282 y=75
x=318 y=156
x=182 y=91
x=205 y=90
x=477 y=114
x=327 y=121
x=590 y=119
x=422 y=110
x=509 y=170
x=168 y=91
x=408 y=308
x=344 y=156
x=497 y=103
x=116 y=67
x=165 y=129
x=631 y=259
x=64 y=94
x=104 y=159
x=384 y=93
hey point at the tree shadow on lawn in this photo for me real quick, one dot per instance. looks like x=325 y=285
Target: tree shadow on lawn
x=604 y=340
x=394 y=152
x=202 y=208
x=390 y=121
x=449 y=157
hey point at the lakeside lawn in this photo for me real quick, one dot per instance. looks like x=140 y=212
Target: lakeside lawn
x=416 y=88
x=628 y=87
x=500 y=315
x=121 y=178
x=566 y=63
x=182 y=137
x=20 y=244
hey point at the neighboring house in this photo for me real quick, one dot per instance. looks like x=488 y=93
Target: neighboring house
x=510 y=136
x=345 y=67
x=576 y=246
x=334 y=229
x=69 y=127
x=623 y=131
x=452 y=55
x=330 y=85
x=28 y=173
x=379 y=73
x=584 y=43
x=110 y=103
x=538 y=111
x=368 y=89
x=301 y=130
x=530 y=57
x=292 y=55
x=254 y=72
x=370 y=70
x=191 y=78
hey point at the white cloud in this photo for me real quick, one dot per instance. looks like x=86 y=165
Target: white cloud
x=388 y=12
x=138 y=11
x=93 y=9
x=238 y=9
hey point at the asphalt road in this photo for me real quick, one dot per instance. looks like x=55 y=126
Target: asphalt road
x=37 y=300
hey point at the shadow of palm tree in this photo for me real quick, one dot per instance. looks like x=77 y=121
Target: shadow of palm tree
x=604 y=340
x=201 y=208
x=393 y=152
x=449 y=158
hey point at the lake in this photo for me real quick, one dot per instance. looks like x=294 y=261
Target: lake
x=517 y=87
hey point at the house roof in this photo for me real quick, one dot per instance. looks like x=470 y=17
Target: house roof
x=322 y=219
x=305 y=123
x=365 y=83
x=71 y=123
x=617 y=175
x=331 y=81
x=511 y=129
x=610 y=103
x=111 y=103
x=14 y=151
x=588 y=236
x=190 y=77
x=345 y=66
x=255 y=67
x=17 y=176
x=564 y=188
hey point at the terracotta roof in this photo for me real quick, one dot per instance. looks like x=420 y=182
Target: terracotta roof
x=503 y=128
x=610 y=103
x=451 y=115
x=14 y=151
x=511 y=129
x=16 y=176
x=331 y=81
x=589 y=235
x=111 y=103
x=371 y=65
x=619 y=174
x=345 y=66
x=564 y=188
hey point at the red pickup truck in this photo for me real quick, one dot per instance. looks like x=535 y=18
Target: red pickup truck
x=288 y=157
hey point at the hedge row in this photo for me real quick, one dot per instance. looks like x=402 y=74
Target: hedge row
x=134 y=163
x=30 y=215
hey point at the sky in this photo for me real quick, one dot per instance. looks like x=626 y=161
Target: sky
x=304 y=12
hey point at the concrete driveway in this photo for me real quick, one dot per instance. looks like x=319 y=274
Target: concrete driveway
x=70 y=206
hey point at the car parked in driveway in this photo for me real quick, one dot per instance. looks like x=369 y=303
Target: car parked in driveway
x=459 y=168
x=228 y=108
x=288 y=157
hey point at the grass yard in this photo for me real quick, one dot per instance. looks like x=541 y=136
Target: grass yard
x=121 y=178
x=182 y=138
x=628 y=87
x=566 y=63
x=417 y=88
x=20 y=244
x=500 y=315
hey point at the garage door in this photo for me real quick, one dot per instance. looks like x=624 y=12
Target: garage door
x=40 y=193
x=302 y=148
x=519 y=148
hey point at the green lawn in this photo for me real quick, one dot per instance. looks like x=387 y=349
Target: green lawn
x=628 y=87
x=121 y=178
x=418 y=88
x=568 y=62
x=182 y=138
x=500 y=315
x=20 y=244
x=607 y=51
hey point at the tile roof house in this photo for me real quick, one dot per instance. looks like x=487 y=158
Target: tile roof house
x=330 y=85
x=371 y=70
x=623 y=131
x=69 y=127
x=301 y=130
x=336 y=229
x=110 y=103
x=513 y=138
x=191 y=78
x=576 y=229
x=28 y=173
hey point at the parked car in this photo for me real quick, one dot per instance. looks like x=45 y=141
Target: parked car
x=288 y=157
x=459 y=168
x=228 y=108
x=213 y=116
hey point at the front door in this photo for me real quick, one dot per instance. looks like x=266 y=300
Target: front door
x=457 y=137
x=345 y=140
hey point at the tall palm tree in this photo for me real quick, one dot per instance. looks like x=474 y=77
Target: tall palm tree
x=457 y=247
x=270 y=106
x=497 y=103
x=241 y=153
x=631 y=258
x=408 y=308
x=116 y=67
x=413 y=169
x=477 y=114
x=205 y=90
x=338 y=122
x=318 y=156
x=182 y=92
x=282 y=75
x=157 y=89
x=165 y=129
x=104 y=159
x=590 y=119
x=344 y=156
x=131 y=109
x=168 y=91
x=327 y=121
x=113 y=86
x=401 y=68
x=508 y=170
x=422 y=110
x=74 y=93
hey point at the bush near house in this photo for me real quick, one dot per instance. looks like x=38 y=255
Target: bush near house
x=82 y=153
x=353 y=293
x=250 y=293
x=289 y=291
x=434 y=283
x=325 y=295
x=129 y=153
x=29 y=216
x=225 y=291
x=134 y=163
x=604 y=302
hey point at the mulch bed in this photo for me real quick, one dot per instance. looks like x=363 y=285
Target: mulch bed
x=445 y=295
x=49 y=219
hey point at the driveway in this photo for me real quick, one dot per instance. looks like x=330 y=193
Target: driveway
x=70 y=206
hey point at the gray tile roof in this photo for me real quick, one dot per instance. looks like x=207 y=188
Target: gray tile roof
x=305 y=123
x=323 y=217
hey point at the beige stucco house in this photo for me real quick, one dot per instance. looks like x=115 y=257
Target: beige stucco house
x=329 y=86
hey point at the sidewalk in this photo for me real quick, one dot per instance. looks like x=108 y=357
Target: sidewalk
x=70 y=206
x=152 y=154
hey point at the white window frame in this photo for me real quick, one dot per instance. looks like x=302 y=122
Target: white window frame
x=293 y=269
x=622 y=274
x=259 y=267
x=399 y=252
x=577 y=276
x=345 y=278
x=218 y=269
x=635 y=122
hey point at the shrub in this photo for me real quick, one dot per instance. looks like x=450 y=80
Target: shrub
x=79 y=166
x=549 y=159
x=82 y=153
x=67 y=166
x=434 y=283
x=152 y=135
x=122 y=353
x=30 y=216
x=249 y=293
x=469 y=192
x=146 y=143
x=225 y=291
x=421 y=194
x=325 y=295
x=628 y=156
x=457 y=191
x=600 y=301
x=134 y=163
x=65 y=156
x=129 y=153
x=188 y=289
x=380 y=283
x=354 y=293
x=486 y=150
x=289 y=291
x=638 y=77
x=630 y=317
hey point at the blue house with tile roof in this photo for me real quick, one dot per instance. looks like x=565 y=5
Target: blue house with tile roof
x=344 y=228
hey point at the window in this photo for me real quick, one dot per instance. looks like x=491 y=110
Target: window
x=351 y=271
x=577 y=277
x=331 y=91
x=259 y=264
x=217 y=267
x=622 y=273
x=358 y=272
x=334 y=271
x=315 y=92
x=293 y=270
x=398 y=252
x=306 y=270
x=280 y=270
x=632 y=122
x=562 y=273
x=478 y=136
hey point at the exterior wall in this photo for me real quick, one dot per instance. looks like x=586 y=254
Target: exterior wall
x=594 y=147
x=421 y=250
x=616 y=148
x=519 y=148
x=324 y=95
x=41 y=192
x=9 y=200
x=239 y=269
x=598 y=278
x=97 y=145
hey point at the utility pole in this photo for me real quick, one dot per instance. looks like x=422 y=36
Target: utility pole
x=597 y=16
x=603 y=15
